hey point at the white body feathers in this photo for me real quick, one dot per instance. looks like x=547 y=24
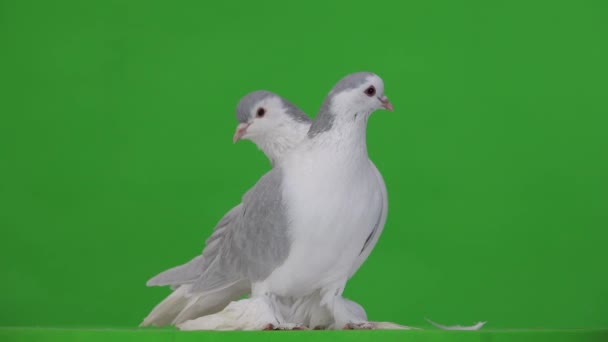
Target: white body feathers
x=334 y=202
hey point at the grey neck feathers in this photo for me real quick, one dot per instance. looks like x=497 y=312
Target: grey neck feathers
x=324 y=120
x=295 y=112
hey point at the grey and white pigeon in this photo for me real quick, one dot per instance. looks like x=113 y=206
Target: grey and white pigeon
x=331 y=198
x=276 y=126
x=307 y=225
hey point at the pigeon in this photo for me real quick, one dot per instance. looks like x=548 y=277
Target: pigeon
x=276 y=126
x=331 y=199
x=297 y=233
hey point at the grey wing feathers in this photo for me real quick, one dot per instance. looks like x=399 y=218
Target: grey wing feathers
x=178 y=275
x=214 y=243
x=258 y=241
x=262 y=235
x=192 y=270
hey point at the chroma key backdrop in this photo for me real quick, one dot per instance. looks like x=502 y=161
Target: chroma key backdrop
x=116 y=153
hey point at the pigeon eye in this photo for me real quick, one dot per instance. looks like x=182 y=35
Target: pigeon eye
x=370 y=91
x=261 y=112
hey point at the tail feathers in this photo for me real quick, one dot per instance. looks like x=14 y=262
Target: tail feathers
x=210 y=302
x=166 y=311
x=182 y=305
x=185 y=273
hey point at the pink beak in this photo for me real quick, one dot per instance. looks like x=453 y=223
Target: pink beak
x=386 y=103
x=241 y=129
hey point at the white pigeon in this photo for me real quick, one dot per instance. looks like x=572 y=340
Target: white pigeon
x=276 y=127
x=331 y=198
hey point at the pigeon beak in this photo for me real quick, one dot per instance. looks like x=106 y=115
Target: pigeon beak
x=241 y=129
x=386 y=103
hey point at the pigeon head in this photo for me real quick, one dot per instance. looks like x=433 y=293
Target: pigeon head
x=263 y=114
x=354 y=96
x=359 y=92
x=271 y=122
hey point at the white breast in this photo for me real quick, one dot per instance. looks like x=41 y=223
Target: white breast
x=333 y=201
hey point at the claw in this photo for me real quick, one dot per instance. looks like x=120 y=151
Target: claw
x=271 y=326
x=300 y=327
x=359 y=326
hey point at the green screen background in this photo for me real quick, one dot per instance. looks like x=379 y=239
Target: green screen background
x=117 y=160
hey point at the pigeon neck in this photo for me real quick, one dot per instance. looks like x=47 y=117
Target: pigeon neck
x=279 y=144
x=347 y=135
